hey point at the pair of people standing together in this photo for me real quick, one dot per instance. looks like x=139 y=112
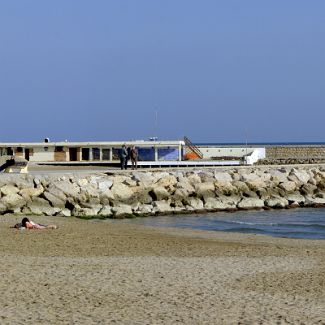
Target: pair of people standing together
x=129 y=153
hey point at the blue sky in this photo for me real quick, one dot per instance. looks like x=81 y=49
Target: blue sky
x=215 y=71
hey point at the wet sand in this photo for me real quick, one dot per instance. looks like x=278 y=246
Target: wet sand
x=106 y=272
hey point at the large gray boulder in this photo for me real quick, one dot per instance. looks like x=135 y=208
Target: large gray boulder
x=225 y=188
x=88 y=192
x=122 y=192
x=7 y=179
x=40 y=206
x=145 y=209
x=91 y=204
x=9 y=189
x=105 y=185
x=249 y=176
x=144 y=178
x=82 y=182
x=168 y=181
x=205 y=190
x=3 y=208
x=194 y=203
x=256 y=184
x=180 y=194
x=79 y=211
x=69 y=189
x=160 y=193
x=230 y=202
x=122 y=210
x=194 y=179
x=288 y=186
x=12 y=201
x=222 y=177
x=141 y=195
x=314 y=201
x=250 y=203
x=106 y=211
x=241 y=186
x=308 y=189
x=212 y=203
x=295 y=197
x=64 y=213
x=54 y=200
x=162 y=207
x=106 y=197
x=186 y=185
x=278 y=202
x=279 y=175
x=56 y=192
x=299 y=176
x=31 y=192
x=270 y=192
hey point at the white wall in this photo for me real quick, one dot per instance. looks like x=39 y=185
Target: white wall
x=252 y=154
x=258 y=153
x=209 y=152
x=40 y=155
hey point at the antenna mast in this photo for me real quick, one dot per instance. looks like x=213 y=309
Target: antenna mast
x=156 y=126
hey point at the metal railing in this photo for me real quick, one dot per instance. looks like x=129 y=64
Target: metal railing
x=190 y=147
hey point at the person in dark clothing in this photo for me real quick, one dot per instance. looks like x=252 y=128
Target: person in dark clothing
x=134 y=157
x=123 y=157
x=128 y=150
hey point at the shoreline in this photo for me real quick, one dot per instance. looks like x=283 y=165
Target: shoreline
x=110 y=271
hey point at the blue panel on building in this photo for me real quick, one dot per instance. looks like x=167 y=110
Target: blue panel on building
x=168 y=154
x=146 y=154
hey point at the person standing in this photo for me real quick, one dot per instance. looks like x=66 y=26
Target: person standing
x=128 y=150
x=134 y=157
x=123 y=157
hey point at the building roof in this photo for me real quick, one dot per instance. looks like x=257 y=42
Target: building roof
x=92 y=143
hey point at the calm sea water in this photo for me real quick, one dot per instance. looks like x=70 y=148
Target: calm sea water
x=305 y=223
x=261 y=143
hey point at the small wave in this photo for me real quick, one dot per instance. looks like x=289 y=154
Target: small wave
x=247 y=230
x=275 y=224
x=250 y=223
x=283 y=234
x=303 y=225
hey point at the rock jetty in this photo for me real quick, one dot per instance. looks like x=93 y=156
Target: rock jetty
x=141 y=193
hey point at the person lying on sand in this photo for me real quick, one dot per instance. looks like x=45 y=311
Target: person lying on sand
x=29 y=224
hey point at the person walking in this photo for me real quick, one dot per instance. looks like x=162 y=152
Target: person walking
x=134 y=157
x=123 y=157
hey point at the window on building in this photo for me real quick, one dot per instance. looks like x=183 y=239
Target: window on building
x=19 y=149
x=58 y=149
x=116 y=153
x=85 y=154
x=96 y=153
x=146 y=154
x=106 y=154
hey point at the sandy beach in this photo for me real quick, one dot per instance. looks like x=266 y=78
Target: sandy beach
x=113 y=272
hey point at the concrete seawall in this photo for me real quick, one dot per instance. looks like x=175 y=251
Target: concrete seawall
x=162 y=192
x=295 y=153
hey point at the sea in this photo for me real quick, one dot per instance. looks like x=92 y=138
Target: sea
x=320 y=143
x=306 y=223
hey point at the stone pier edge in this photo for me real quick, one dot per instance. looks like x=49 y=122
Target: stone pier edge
x=144 y=193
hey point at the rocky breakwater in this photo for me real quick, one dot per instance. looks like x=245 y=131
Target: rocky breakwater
x=161 y=192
